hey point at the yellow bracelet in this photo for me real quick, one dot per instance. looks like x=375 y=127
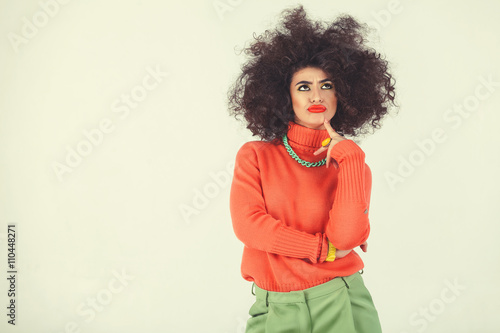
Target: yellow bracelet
x=331 y=252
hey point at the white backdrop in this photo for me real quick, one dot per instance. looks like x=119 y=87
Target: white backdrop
x=116 y=154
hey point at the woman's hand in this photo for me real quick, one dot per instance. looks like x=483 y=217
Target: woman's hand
x=343 y=253
x=335 y=138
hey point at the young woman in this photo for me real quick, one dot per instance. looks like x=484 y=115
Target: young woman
x=305 y=86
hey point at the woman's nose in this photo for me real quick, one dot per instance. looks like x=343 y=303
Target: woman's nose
x=316 y=96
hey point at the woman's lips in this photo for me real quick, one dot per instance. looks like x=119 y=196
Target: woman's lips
x=316 y=108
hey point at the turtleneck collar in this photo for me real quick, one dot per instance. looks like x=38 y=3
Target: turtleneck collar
x=304 y=137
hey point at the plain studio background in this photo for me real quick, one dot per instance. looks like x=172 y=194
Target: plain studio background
x=116 y=157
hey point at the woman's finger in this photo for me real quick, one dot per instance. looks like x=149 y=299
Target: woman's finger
x=334 y=138
x=320 y=150
x=330 y=130
x=328 y=154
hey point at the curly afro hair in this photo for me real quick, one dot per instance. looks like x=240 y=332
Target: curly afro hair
x=363 y=85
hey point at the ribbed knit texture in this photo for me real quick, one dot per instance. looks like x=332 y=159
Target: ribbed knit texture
x=285 y=213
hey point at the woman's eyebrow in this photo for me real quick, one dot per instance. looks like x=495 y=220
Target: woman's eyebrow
x=308 y=82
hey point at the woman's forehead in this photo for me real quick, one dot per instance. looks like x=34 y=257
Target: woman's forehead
x=310 y=74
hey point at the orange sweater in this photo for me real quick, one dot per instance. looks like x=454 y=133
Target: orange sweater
x=285 y=213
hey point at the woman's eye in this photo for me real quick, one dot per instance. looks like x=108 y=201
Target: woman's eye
x=303 y=88
x=327 y=86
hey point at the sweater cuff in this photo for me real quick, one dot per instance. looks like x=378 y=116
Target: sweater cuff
x=323 y=252
x=296 y=243
x=351 y=160
x=345 y=149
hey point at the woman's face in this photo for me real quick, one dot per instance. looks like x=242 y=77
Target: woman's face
x=313 y=97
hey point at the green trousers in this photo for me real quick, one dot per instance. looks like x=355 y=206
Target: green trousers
x=341 y=305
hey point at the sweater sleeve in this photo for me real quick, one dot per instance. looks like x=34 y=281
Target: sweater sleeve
x=348 y=225
x=255 y=227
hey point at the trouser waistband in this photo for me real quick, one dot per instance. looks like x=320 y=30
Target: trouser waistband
x=306 y=294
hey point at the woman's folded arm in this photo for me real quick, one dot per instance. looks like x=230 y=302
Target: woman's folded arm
x=255 y=227
x=348 y=225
